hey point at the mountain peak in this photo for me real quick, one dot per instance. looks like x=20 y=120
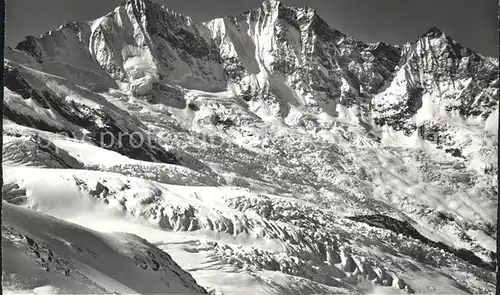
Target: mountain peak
x=434 y=32
x=144 y=2
x=270 y=5
x=140 y=5
x=272 y=2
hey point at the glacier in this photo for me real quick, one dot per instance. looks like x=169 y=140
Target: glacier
x=262 y=153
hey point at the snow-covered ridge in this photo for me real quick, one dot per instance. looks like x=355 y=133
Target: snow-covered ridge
x=135 y=43
x=45 y=254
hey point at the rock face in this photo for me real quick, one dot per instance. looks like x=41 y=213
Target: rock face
x=289 y=55
x=76 y=112
x=282 y=55
x=344 y=165
x=139 y=44
x=437 y=77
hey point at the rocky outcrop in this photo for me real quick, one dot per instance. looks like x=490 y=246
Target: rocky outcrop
x=64 y=108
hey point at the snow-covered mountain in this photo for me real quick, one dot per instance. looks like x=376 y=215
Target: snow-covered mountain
x=264 y=151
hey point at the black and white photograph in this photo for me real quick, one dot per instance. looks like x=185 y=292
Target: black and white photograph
x=247 y=147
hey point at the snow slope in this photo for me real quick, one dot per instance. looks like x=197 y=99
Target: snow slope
x=42 y=254
x=241 y=230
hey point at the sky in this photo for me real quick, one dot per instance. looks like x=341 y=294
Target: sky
x=473 y=23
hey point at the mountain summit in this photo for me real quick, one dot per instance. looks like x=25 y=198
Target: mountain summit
x=434 y=32
x=265 y=147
